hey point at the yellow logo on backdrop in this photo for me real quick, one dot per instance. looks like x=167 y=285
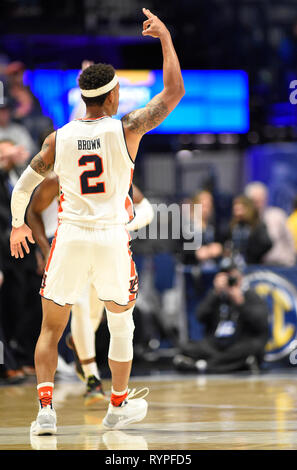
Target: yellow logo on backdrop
x=281 y=297
x=281 y=304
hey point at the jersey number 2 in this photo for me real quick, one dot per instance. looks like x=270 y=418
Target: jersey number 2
x=86 y=188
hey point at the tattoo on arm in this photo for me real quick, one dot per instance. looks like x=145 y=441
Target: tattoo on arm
x=38 y=164
x=143 y=120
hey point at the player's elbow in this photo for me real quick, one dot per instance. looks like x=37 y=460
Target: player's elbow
x=173 y=96
x=181 y=89
x=178 y=91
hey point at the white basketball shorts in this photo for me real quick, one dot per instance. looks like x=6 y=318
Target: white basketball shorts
x=80 y=255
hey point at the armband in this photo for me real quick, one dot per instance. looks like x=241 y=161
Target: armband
x=22 y=193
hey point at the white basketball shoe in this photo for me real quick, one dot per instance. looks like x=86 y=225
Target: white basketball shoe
x=46 y=422
x=130 y=411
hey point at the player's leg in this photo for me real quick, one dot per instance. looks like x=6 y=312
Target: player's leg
x=86 y=316
x=94 y=392
x=55 y=318
x=121 y=327
x=64 y=279
x=82 y=335
x=116 y=282
x=122 y=411
x=54 y=321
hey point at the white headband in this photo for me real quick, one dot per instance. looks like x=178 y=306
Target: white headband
x=101 y=90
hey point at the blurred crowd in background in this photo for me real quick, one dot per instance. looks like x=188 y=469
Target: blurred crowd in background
x=251 y=232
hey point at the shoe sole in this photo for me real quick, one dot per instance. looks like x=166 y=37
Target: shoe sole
x=42 y=431
x=123 y=423
x=93 y=400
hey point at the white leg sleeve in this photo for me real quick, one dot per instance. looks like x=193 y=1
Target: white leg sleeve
x=121 y=328
x=82 y=328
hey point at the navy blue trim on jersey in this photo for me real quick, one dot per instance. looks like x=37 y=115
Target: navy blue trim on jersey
x=92 y=119
x=130 y=194
x=126 y=143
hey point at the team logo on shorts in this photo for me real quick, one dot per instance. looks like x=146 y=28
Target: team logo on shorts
x=134 y=285
x=281 y=297
x=43 y=282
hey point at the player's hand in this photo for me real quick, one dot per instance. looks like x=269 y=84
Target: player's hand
x=86 y=63
x=18 y=241
x=153 y=26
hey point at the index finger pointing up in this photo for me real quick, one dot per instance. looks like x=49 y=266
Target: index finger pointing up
x=147 y=13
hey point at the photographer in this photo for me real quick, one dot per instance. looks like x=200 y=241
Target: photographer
x=236 y=327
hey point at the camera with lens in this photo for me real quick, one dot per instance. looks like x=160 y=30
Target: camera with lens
x=226 y=266
x=232 y=281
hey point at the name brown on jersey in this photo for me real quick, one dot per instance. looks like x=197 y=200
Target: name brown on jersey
x=88 y=144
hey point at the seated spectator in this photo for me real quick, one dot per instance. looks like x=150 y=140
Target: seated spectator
x=282 y=252
x=248 y=235
x=211 y=249
x=27 y=109
x=292 y=223
x=236 y=327
x=12 y=131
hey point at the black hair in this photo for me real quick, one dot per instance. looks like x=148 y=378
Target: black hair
x=93 y=77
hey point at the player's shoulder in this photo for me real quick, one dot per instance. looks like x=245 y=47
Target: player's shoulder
x=68 y=125
x=110 y=124
x=106 y=123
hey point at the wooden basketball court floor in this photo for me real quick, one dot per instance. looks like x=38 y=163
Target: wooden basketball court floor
x=233 y=412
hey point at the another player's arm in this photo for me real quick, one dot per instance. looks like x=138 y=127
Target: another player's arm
x=43 y=196
x=141 y=121
x=137 y=195
x=40 y=166
x=144 y=212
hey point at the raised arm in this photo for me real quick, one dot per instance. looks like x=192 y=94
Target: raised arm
x=140 y=121
x=41 y=165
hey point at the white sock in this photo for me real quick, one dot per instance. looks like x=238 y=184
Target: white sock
x=119 y=393
x=91 y=369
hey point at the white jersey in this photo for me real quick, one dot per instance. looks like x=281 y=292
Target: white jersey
x=95 y=173
x=50 y=218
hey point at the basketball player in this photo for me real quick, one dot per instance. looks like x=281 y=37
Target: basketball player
x=42 y=217
x=94 y=160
